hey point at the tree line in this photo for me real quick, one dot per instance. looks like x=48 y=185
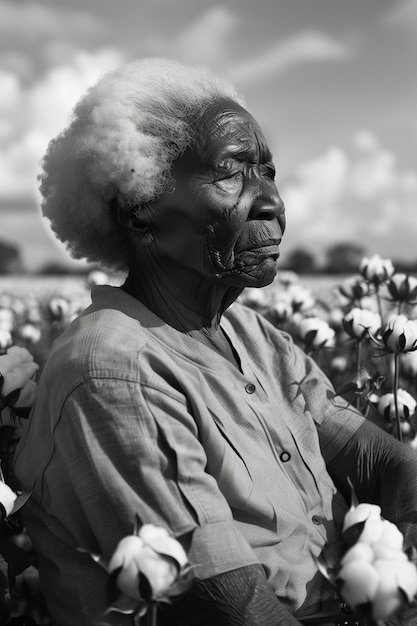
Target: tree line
x=340 y=258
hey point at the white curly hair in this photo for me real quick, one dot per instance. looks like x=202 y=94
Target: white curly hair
x=122 y=139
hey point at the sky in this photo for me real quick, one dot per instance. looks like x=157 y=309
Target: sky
x=332 y=83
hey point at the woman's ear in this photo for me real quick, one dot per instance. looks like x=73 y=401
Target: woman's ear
x=134 y=221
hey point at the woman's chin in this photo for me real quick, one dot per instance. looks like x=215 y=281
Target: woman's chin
x=259 y=275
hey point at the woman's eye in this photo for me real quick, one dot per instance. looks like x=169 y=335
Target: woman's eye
x=229 y=175
x=230 y=182
x=235 y=174
x=268 y=170
x=229 y=168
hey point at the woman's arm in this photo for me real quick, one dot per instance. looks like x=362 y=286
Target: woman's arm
x=383 y=471
x=242 y=597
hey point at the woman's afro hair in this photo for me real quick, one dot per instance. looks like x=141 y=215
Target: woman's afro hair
x=122 y=139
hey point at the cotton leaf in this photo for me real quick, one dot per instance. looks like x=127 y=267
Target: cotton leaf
x=98 y=558
x=353 y=497
x=170 y=559
x=322 y=567
x=112 y=590
x=145 y=587
x=21 y=500
x=352 y=534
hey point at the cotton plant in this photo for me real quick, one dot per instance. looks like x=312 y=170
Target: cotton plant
x=360 y=324
x=7 y=319
x=397 y=410
x=366 y=290
x=363 y=338
x=17 y=386
x=21 y=324
x=368 y=565
x=6 y=340
x=314 y=332
x=402 y=291
x=409 y=371
x=257 y=299
x=147 y=568
x=16 y=327
x=279 y=301
x=13 y=559
x=397 y=337
x=17 y=393
x=290 y=302
x=375 y=323
x=7 y=500
x=377 y=272
x=29 y=333
x=353 y=290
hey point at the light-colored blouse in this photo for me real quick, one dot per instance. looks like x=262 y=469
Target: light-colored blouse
x=136 y=418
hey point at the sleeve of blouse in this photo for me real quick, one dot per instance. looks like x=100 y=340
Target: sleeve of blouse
x=130 y=449
x=382 y=470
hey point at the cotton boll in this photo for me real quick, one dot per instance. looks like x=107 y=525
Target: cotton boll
x=359 y=552
x=361 y=513
x=391 y=536
x=7 y=499
x=360 y=583
x=145 y=555
x=160 y=572
x=394 y=575
x=387 y=553
x=127 y=556
x=370 y=516
x=162 y=541
x=406 y=574
x=388 y=598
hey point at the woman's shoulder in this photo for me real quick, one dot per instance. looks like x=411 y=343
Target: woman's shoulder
x=97 y=343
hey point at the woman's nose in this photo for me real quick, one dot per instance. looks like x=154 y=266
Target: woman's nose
x=268 y=205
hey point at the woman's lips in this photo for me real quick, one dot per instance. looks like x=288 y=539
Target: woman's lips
x=268 y=250
x=246 y=258
x=271 y=250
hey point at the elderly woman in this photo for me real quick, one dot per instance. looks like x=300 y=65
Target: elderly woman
x=165 y=402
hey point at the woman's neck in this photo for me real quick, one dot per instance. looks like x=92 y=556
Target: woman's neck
x=187 y=304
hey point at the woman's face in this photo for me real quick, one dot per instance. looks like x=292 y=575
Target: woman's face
x=225 y=219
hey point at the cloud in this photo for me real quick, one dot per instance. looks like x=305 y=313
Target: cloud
x=209 y=41
x=404 y=13
x=10 y=91
x=31 y=115
x=17 y=63
x=361 y=195
x=33 y=22
x=206 y=40
x=305 y=47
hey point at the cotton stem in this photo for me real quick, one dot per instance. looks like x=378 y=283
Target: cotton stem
x=358 y=367
x=396 y=381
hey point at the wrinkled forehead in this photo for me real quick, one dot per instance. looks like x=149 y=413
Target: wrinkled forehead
x=223 y=115
x=224 y=124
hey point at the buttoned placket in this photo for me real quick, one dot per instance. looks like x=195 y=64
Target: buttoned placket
x=283 y=456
